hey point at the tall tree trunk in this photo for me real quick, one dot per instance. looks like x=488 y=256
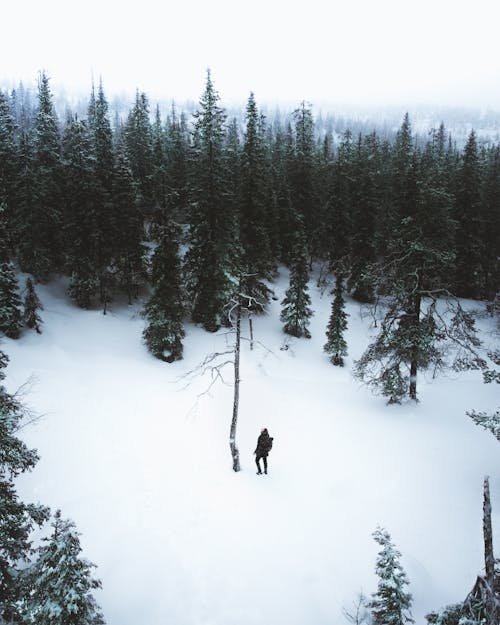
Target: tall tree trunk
x=250 y=324
x=232 y=435
x=414 y=360
x=491 y=603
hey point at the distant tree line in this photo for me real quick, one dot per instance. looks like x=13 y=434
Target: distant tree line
x=197 y=209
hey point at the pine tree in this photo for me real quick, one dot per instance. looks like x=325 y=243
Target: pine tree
x=491 y=222
x=336 y=345
x=366 y=197
x=17 y=519
x=470 y=247
x=177 y=148
x=32 y=304
x=159 y=174
x=103 y=174
x=59 y=585
x=253 y=186
x=164 y=311
x=40 y=251
x=412 y=277
x=138 y=140
x=391 y=603
x=81 y=212
x=295 y=311
x=302 y=175
x=10 y=302
x=8 y=160
x=129 y=249
x=210 y=262
x=337 y=225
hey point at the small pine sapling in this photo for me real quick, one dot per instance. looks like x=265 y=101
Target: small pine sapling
x=32 y=304
x=336 y=345
x=164 y=311
x=295 y=312
x=391 y=603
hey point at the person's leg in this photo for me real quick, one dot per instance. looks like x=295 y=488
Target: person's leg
x=257 y=459
x=265 y=464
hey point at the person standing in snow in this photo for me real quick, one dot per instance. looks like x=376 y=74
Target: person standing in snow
x=264 y=444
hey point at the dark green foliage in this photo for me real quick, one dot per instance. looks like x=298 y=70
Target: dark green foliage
x=413 y=275
x=470 y=246
x=32 y=305
x=488 y=421
x=391 y=603
x=159 y=174
x=164 y=311
x=340 y=201
x=8 y=160
x=177 y=148
x=17 y=519
x=302 y=175
x=138 y=141
x=295 y=311
x=129 y=261
x=59 y=585
x=366 y=197
x=211 y=261
x=40 y=242
x=253 y=196
x=103 y=178
x=256 y=260
x=81 y=212
x=491 y=222
x=10 y=302
x=336 y=345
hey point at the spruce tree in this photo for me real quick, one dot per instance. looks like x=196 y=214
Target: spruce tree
x=412 y=277
x=295 y=311
x=8 y=160
x=32 y=304
x=103 y=174
x=337 y=225
x=164 y=311
x=302 y=175
x=17 y=519
x=470 y=245
x=40 y=249
x=81 y=212
x=10 y=302
x=138 y=140
x=336 y=345
x=159 y=173
x=253 y=201
x=129 y=248
x=211 y=261
x=491 y=222
x=177 y=149
x=366 y=197
x=391 y=603
x=59 y=585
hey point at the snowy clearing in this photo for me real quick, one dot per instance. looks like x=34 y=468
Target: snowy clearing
x=145 y=471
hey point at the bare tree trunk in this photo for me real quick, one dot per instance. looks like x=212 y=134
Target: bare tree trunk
x=250 y=323
x=491 y=602
x=489 y=558
x=414 y=360
x=232 y=436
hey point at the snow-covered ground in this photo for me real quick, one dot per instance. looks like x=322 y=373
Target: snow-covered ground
x=144 y=470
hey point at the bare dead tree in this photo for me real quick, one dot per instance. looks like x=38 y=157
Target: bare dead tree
x=482 y=604
x=359 y=613
x=214 y=364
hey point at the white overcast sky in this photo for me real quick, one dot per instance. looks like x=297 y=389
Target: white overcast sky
x=358 y=52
